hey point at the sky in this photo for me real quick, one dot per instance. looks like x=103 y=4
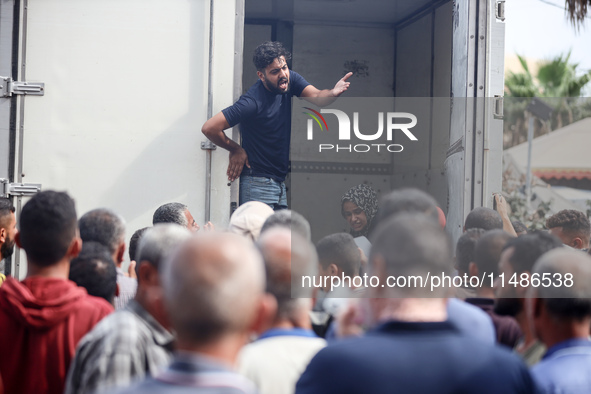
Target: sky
x=538 y=30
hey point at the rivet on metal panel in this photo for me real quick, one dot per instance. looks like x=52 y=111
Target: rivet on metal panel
x=472 y=36
x=481 y=87
x=482 y=37
x=470 y=84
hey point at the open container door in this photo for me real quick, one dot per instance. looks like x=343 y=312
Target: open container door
x=128 y=86
x=474 y=159
x=436 y=50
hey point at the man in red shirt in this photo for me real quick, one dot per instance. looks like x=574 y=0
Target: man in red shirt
x=43 y=317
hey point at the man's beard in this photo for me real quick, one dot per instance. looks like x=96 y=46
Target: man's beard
x=508 y=306
x=275 y=88
x=7 y=248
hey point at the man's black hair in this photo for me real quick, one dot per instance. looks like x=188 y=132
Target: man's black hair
x=6 y=209
x=487 y=252
x=465 y=248
x=134 y=242
x=339 y=249
x=569 y=308
x=103 y=226
x=573 y=223
x=173 y=212
x=267 y=52
x=485 y=218
x=409 y=200
x=94 y=269
x=528 y=248
x=47 y=227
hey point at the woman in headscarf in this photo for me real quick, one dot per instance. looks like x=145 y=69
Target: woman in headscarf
x=359 y=207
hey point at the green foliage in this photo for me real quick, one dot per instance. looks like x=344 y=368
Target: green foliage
x=534 y=220
x=559 y=82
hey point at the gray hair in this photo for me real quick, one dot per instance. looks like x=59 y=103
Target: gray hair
x=173 y=212
x=288 y=258
x=212 y=285
x=572 y=298
x=159 y=242
x=104 y=226
x=291 y=220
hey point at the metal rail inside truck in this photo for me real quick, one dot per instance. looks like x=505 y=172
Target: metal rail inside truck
x=106 y=99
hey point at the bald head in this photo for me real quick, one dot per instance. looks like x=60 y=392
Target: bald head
x=212 y=286
x=288 y=257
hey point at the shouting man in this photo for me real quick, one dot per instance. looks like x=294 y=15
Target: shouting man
x=264 y=114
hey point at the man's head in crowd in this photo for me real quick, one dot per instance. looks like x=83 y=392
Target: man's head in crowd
x=562 y=312
x=49 y=231
x=290 y=220
x=7 y=228
x=105 y=227
x=288 y=258
x=134 y=242
x=572 y=227
x=518 y=257
x=465 y=249
x=484 y=218
x=176 y=213
x=487 y=254
x=214 y=291
x=407 y=200
x=270 y=59
x=519 y=227
x=338 y=255
x=403 y=246
x=94 y=269
x=154 y=250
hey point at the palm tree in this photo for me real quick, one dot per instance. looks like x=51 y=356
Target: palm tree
x=577 y=11
x=557 y=81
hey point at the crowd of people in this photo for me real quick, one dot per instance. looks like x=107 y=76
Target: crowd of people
x=228 y=310
x=224 y=310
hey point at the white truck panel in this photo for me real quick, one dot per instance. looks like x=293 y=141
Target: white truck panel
x=126 y=95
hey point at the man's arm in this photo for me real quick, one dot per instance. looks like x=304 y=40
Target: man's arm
x=327 y=96
x=501 y=208
x=214 y=131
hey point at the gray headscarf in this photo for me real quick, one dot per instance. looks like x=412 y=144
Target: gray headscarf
x=365 y=198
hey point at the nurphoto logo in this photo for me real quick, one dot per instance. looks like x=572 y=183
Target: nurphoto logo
x=394 y=121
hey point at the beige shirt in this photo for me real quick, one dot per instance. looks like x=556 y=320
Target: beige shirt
x=275 y=364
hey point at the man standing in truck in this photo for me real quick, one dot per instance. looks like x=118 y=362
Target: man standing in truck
x=264 y=114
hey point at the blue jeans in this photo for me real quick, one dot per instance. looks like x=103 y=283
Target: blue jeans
x=266 y=190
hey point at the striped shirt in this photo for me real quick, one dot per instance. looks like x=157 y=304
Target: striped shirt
x=124 y=347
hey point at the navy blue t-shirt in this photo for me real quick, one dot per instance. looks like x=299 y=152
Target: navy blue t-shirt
x=265 y=125
x=418 y=358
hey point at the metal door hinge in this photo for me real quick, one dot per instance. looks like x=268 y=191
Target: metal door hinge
x=500 y=10
x=208 y=145
x=18 y=189
x=498 y=109
x=9 y=87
